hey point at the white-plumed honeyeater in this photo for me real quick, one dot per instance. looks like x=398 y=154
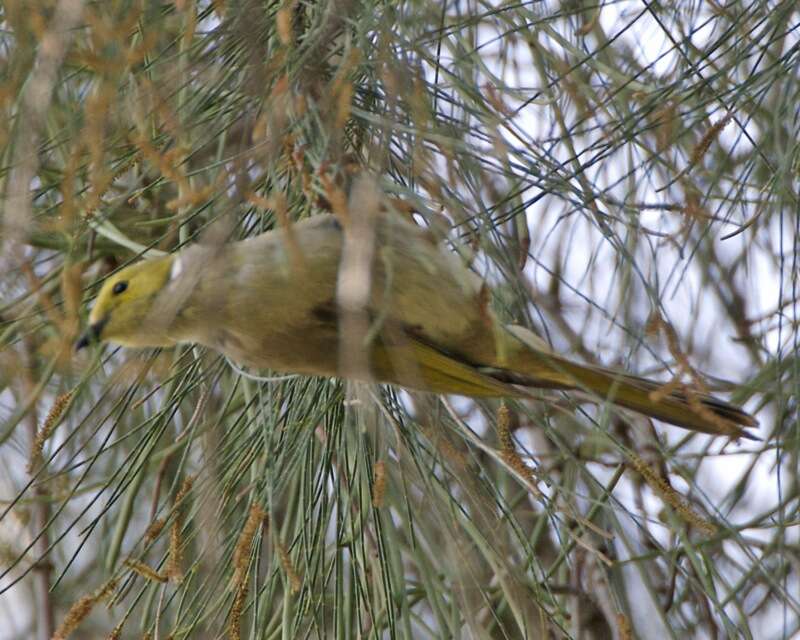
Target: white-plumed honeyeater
x=273 y=301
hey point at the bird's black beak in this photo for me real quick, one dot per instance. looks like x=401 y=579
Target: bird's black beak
x=91 y=335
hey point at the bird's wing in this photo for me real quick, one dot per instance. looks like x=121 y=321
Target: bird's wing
x=413 y=363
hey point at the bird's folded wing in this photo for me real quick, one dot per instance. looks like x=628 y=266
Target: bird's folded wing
x=415 y=364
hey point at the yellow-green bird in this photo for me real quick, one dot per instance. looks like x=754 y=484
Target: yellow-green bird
x=275 y=301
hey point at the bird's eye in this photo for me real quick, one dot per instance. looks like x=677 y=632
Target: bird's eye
x=119 y=287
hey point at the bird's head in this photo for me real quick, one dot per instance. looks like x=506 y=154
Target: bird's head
x=124 y=310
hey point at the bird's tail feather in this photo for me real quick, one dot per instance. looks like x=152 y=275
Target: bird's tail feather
x=683 y=407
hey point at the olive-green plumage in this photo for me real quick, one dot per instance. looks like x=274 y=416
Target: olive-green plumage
x=271 y=302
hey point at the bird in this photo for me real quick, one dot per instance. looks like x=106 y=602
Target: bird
x=274 y=301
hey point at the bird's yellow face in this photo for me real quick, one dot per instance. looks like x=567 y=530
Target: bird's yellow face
x=122 y=311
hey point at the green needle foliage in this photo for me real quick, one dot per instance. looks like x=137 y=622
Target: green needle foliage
x=624 y=175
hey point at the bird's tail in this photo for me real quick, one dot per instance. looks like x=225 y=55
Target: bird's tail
x=683 y=407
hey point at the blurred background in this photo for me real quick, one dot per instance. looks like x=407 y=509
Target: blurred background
x=624 y=175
